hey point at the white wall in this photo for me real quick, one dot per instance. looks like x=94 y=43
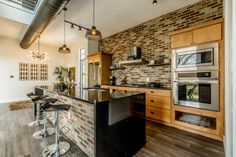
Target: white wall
x=11 y=89
x=230 y=78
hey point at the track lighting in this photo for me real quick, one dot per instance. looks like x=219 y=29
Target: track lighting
x=80 y=29
x=154 y=2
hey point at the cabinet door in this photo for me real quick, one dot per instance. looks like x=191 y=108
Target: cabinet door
x=94 y=58
x=207 y=34
x=158 y=114
x=158 y=101
x=182 y=39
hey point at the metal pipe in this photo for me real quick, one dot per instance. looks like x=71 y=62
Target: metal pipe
x=48 y=11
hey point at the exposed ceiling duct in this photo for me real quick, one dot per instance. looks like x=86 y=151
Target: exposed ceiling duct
x=48 y=10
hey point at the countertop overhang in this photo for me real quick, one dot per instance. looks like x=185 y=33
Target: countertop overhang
x=92 y=95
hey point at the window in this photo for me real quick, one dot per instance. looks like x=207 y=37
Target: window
x=82 y=69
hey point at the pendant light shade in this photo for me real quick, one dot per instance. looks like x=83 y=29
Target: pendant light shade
x=93 y=33
x=63 y=49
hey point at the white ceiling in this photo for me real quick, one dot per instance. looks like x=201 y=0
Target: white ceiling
x=111 y=17
x=12 y=29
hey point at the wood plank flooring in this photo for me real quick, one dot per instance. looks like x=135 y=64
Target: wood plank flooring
x=162 y=141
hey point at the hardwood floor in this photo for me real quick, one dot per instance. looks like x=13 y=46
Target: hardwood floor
x=16 y=137
x=162 y=141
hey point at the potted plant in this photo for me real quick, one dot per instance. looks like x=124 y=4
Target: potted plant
x=62 y=75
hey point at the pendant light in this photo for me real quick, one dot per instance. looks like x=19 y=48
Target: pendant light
x=93 y=33
x=38 y=55
x=64 y=49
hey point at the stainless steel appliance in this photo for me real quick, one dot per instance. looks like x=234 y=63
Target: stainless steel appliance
x=196 y=77
x=199 y=57
x=197 y=89
x=134 y=53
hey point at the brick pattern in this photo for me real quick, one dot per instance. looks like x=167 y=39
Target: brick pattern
x=78 y=123
x=153 y=37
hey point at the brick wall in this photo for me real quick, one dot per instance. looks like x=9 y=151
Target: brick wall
x=153 y=37
x=78 y=123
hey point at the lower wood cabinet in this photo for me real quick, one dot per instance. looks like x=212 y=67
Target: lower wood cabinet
x=158 y=101
x=158 y=114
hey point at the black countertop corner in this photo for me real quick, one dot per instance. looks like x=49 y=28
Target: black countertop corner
x=91 y=95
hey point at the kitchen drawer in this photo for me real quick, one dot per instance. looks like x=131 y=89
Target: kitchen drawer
x=155 y=91
x=127 y=89
x=158 y=114
x=158 y=101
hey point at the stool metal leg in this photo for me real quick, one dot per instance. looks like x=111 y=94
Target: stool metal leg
x=59 y=148
x=37 y=122
x=45 y=132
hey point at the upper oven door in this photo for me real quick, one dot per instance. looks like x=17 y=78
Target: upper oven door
x=196 y=58
x=197 y=93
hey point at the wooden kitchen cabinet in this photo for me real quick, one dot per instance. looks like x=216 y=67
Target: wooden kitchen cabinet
x=182 y=39
x=158 y=101
x=207 y=34
x=94 y=58
x=158 y=105
x=158 y=114
x=203 y=33
x=98 y=68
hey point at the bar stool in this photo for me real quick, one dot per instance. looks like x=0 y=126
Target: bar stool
x=58 y=148
x=35 y=99
x=45 y=132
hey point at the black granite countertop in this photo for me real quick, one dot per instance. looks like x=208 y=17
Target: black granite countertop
x=91 y=95
x=140 y=86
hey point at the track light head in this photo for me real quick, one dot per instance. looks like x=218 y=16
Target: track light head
x=154 y=2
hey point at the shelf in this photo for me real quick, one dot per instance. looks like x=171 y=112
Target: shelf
x=121 y=68
x=136 y=61
x=163 y=64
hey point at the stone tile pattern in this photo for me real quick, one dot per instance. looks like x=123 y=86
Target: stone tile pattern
x=153 y=37
x=78 y=123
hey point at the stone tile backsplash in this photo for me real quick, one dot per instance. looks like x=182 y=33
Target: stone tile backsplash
x=154 y=40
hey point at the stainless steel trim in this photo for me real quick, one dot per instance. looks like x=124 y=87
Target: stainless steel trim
x=196 y=49
x=212 y=81
x=214 y=75
x=214 y=106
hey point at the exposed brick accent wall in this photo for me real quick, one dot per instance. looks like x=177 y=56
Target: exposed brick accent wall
x=153 y=37
x=78 y=123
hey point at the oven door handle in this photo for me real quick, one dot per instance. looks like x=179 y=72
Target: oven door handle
x=197 y=81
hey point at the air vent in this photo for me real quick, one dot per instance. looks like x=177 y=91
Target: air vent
x=27 y=5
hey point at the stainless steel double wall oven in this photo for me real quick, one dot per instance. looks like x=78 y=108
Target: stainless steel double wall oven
x=196 y=76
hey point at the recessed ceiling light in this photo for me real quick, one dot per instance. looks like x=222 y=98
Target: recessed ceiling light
x=154 y=2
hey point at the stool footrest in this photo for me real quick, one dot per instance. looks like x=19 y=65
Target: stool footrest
x=51 y=150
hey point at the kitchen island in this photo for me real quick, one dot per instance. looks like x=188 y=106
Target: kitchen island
x=103 y=123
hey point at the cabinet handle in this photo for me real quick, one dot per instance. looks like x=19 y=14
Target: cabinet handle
x=152 y=112
x=152 y=100
x=152 y=92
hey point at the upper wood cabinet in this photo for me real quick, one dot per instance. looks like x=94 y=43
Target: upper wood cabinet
x=204 y=33
x=207 y=34
x=98 y=69
x=182 y=39
x=94 y=58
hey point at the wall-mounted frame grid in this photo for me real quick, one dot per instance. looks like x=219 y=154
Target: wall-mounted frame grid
x=33 y=72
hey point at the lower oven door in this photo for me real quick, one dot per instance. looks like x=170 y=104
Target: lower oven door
x=203 y=94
